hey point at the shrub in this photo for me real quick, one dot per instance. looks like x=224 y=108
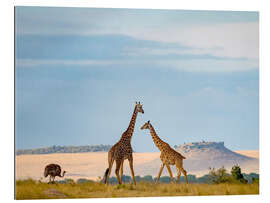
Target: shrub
x=237 y=175
x=219 y=176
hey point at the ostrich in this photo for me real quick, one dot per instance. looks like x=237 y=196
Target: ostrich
x=53 y=170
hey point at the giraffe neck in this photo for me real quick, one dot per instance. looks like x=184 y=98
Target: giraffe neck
x=158 y=142
x=129 y=132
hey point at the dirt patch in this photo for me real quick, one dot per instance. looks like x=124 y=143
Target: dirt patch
x=54 y=193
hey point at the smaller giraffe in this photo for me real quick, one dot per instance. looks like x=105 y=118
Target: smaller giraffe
x=168 y=155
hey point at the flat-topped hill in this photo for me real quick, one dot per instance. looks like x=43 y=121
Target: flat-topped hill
x=210 y=151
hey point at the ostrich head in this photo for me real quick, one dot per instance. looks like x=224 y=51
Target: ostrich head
x=63 y=173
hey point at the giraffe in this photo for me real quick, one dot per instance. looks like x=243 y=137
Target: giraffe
x=168 y=155
x=122 y=150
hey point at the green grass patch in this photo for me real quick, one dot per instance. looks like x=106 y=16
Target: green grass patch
x=30 y=189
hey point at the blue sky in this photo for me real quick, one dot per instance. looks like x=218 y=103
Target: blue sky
x=79 y=72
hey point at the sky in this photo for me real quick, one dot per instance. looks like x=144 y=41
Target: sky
x=79 y=72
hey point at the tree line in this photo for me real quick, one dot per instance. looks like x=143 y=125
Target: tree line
x=220 y=175
x=65 y=149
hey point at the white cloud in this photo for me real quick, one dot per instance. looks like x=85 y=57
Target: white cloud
x=194 y=65
x=39 y=62
x=208 y=65
x=225 y=39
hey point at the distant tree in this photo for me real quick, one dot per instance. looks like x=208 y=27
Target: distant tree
x=255 y=180
x=147 y=178
x=219 y=176
x=83 y=180
x=126 y=179
x=138 y=178
x=203 y=179
x=164 y=179
x=237 y=175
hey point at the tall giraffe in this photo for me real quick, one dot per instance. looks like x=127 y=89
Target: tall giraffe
x=122 y=150
x=168 y=155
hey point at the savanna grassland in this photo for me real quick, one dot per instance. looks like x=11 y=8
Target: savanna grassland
x=31 y=189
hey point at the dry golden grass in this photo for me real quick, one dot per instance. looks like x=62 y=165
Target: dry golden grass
x=30 y=189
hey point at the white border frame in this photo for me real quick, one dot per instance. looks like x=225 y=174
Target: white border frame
x=7 y=84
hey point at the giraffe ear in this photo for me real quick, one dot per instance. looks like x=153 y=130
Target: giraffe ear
x=139 y=102
x=136 y=102
x=148 y=121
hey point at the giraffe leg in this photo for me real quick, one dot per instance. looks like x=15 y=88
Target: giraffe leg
x=185 y=174
x=178 y=175
x=160 y=171
x=121 y=170
x=170 y=172
x=109 y=173
x=131 y=169
x=118 y=164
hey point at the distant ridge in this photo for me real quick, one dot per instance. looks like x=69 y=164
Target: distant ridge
x=210 y=150
x=65 y=149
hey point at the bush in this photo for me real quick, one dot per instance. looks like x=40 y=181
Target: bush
x=219 y=176
x=237 y=175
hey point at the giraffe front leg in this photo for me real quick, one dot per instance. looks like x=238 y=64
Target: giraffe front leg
x=170 y=172
x=121 y=170
x=178 y=175
x=118 y=164
x=131 y=169
x=160 y=171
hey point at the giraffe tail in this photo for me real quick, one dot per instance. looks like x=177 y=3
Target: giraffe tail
x=105 y=175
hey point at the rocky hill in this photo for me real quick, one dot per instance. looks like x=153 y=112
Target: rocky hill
x=209 y=151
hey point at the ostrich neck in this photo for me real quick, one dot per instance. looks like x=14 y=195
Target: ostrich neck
x=63 y=174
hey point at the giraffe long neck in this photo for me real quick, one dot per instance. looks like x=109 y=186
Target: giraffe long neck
x=132 y=122
x=129 y=132
x=158 y=142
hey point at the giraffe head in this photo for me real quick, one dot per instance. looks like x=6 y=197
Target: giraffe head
x=139 y=107
x=146 y=125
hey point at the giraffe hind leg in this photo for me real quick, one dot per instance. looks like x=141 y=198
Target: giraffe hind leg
x=107 y=178
x=131 y=169
x=185 y=174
